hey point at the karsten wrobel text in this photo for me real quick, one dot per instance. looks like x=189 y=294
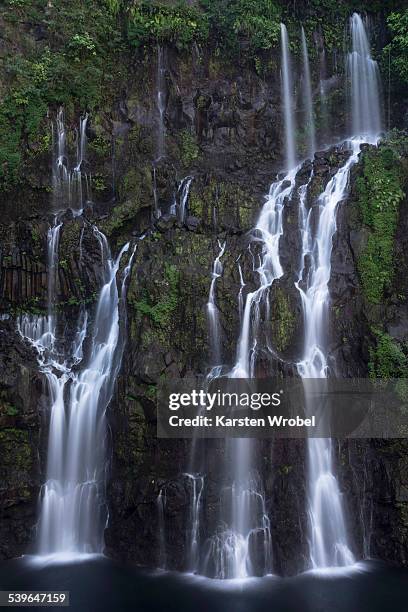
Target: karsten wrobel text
x=282 y=408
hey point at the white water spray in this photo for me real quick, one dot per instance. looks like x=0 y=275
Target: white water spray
x=329 y=540
x=73 y=512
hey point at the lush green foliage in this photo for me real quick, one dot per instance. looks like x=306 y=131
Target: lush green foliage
x=178 y=24
x=396 y=53
x=161 y=312
x=257 y=21
x=387 y=360
x=74 y=66
x=379 y=194
x=222 y=22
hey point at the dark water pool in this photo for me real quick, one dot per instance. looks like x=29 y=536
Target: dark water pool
x=100 y=585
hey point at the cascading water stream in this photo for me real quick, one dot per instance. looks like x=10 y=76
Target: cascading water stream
x=243 y=512
x=161 y=505
x=229 y=553
x=161 y=103
x=67 y=183
x=329 y=540
x=73 y=513
x=179 y=206
x=212 y=309
x=77 y=174
x=365 y=84
x=197 y=487
x=329 y=543
x=287 y=88
x=184 y=192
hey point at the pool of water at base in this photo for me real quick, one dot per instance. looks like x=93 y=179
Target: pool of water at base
x=99 y=584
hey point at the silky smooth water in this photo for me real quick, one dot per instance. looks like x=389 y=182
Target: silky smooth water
x=73 y=512
x=364 y=75
x=288 y=100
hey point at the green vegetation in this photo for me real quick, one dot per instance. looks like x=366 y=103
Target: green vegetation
x=82 y=56
x=395 y=54
x=379 y=192
x=162 y=311
x=178 y=24
x=189 y=150
x=75 y=66
x=387 y=359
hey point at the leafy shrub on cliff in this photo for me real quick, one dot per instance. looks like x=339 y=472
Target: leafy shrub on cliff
x=257 y=21
x=387 y=359
x=163 y=23
x=379 y=192
x=73 y=65
x=397 y=51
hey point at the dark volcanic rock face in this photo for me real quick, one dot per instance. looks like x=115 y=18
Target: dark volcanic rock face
x=224 y=128
x=20 y=400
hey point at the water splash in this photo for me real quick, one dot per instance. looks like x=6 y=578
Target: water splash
x=73 y=513
x=197 y=487
x=329 y=542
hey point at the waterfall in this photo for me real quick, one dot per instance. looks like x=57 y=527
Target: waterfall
x=329 y=541
x=243 y=540
x=240 y=292
x=60 y=175
x=287 y=88
x=212 y=309
x=197 y=486
x=67 y=183
x=184 y=192
x=180 y=200
x=77 y=175
x=268 y=232
x=324 y=111
x=161 y=504
x=161 y=103
x=365 y=84
x=329 y=545
x=73 y=513
x=308 y=98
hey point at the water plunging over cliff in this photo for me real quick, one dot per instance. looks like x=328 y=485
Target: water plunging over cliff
x=212 y=310
x=287 y=90
x=329 y=541
x=73 y=513
x=365 y=84
x=69 y=181
x=161 y=103
x=244 y=542
x=80 y=382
